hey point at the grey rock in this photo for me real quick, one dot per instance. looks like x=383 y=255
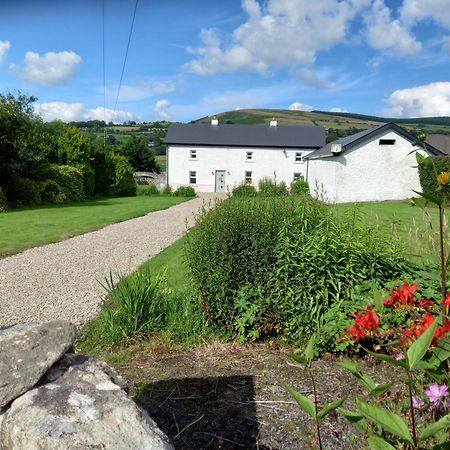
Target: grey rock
x=27 y=351
x=83 y=408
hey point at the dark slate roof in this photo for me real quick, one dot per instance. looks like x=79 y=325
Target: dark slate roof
x=350 y=141
x=439 y=141
x=282 y=136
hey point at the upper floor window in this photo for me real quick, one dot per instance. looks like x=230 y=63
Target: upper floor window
x=248 y=177
x=298 y=156
x=386 y=142
x=193 y=154
x=249 y=156
x=192 y=177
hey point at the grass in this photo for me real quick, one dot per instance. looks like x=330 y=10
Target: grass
x=24 y=228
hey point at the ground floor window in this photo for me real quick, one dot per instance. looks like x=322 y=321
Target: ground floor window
x=248 y=177
x=192 y=177
x=297 y=175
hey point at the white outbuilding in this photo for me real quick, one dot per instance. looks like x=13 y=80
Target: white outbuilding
x=216 y=158
x=374 y=165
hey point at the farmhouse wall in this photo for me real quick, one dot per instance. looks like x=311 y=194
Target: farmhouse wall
x=369 y=171
x=266 y=162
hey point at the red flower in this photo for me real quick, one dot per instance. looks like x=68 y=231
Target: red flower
x=425 y=303
x=402 y=297
x=446 y=303
x=419 y=329
x=369 y=321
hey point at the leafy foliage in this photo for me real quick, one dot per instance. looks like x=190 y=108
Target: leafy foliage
x=147 y=190
x=300 y=187
x=139 y=154
x=123 y=183
x=269 y=187
x=429 y=168
x=244 y=190
x=299 y=255
x=185 y=191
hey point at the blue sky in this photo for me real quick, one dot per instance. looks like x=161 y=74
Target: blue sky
x=192 y=58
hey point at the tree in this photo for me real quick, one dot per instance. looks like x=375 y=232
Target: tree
x=140 y=156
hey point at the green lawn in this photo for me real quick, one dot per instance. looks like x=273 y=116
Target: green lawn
x=30 y=227
x=416 y=227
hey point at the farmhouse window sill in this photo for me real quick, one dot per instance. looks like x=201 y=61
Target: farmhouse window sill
x=193 y=159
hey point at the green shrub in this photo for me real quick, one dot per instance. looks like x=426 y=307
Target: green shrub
x=269 y=188
x=244 y=190
x=185 y=191
x=167 y=190
x=3 y=201
x=124 y=183
x=147 y=190
x=300 y=187
x=299 y=256
x=429 y=168
x=69 y=181
x=25 y=192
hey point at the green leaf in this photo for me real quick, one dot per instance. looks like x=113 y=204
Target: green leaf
x=353 y=368
x=356 y=419
x=310 y=348
x=418 y=349
x=389 y=421
x=380 y=390
x=430 y=197
x=377 y=443
x=305 y=403
x=435 y=427
x=440 y=354
x=349 y=365
x=330 y=407
x=300 y=359
x=399 y=363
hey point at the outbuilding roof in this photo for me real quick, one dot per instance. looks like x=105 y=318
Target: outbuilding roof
x=351 y=141
x=280 y=136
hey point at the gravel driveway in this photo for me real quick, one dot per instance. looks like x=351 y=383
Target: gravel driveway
x=61 y=281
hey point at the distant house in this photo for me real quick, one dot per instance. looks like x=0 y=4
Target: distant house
x=373 y=165
x=216 y=158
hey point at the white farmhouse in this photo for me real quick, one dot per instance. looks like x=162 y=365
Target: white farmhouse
x=216 y=158
x=373 y=165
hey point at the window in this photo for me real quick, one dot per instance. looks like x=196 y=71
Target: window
x=193 y=154
x=297 y=175
x=192 y=177
x=248 y=177
x=298 y=157
x=249 y=156
x=386 y=142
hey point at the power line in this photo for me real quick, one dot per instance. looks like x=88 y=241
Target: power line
x=126 y=56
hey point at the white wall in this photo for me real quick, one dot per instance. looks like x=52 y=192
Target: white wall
x=369 y=172
x=265 y=162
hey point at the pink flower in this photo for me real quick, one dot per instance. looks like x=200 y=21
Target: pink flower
x=418 y=403
x=436 y=393
x=399 y=356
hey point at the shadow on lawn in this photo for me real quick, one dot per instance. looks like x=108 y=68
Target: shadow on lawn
x=204 y=413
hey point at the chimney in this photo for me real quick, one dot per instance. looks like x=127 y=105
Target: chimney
x=336 y=149
x=214 y=121
x=273 y=122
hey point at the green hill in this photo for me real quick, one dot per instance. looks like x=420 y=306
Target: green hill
x=340 y=122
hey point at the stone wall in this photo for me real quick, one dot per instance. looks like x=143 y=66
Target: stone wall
x=52 y=398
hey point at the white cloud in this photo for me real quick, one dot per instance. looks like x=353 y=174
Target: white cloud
x=421 y=101
x=385 y=33
x=413 y=11
x=161 y=109
x=145 y=89
x=282 y=33
x=310 y=78
x=53 y=68
x=338 y=110
x=446 y=44
x=4 y=46
x=297 y=106
x=68 y=112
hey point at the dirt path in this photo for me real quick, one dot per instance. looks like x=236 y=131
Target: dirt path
x=61 y=281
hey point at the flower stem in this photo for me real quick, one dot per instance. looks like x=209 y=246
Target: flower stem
x=315 y=406
x=411 y=407
x=442 y=251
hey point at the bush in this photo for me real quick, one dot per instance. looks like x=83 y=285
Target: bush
x=124 y=183
x=167 y=190
x=3 y=201
x=300 y=187
x=429 y=168
x=185 y=191
x=244 y=190
x=293 y=259
x=70 y=182
x=147 y=190
x=269 y=188
x=25 y=192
